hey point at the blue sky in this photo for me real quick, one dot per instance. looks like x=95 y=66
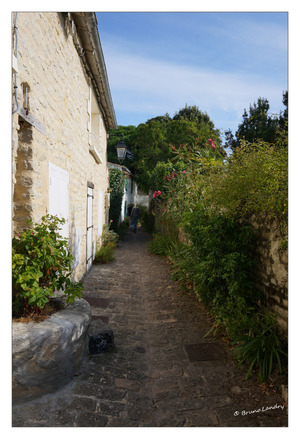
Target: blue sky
x=157 y=62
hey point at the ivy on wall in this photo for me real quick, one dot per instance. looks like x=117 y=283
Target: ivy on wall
x=116 y=183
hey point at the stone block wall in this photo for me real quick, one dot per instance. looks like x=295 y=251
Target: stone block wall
x=59 y=95
x=45 y=356
x=272 y=272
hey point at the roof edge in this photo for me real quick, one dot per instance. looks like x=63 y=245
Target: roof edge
x=87 y=29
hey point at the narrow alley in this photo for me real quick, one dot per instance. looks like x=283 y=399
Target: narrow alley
x=161 y=372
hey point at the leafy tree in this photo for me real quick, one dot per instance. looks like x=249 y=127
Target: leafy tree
x=193 y=114
x=149 y=146
x=164 y=119
x=283 y=120
x=257 y=124
x=152 y=141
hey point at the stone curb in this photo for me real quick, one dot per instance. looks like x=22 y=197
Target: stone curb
x=46 y=355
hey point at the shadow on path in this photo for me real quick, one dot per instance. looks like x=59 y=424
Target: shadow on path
x=162 y=371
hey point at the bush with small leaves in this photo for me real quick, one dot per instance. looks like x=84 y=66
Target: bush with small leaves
x=41 y=264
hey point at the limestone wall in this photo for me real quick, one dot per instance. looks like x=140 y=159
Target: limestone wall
x=45 y=356
x=272 y=273
x=59 y=95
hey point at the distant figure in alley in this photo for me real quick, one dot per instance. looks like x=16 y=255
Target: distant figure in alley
x=135 y=213
x=129 y=210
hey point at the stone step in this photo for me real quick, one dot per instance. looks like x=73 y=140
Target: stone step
x=100 y=338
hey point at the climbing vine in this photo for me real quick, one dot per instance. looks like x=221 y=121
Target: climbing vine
x=116 y=183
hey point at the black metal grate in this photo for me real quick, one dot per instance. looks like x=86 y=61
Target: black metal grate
x=97 y=302
x=205 y=352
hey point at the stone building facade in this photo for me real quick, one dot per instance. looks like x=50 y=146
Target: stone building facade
x=62 y=111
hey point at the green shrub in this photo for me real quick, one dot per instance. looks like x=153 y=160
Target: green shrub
x=160 y=244
x=105 y=254
x=105 y=246
x=182 y=259
x=262 y=348
x=212 y=201
x=108 y=236
x=232 y=317
x=41 y=264
x=147 y=219
x=255 y=182
x=123 y=228
x=223 y=257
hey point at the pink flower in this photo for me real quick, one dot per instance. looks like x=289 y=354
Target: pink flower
x=154 y=195
x=210 y=141
x=183 y=171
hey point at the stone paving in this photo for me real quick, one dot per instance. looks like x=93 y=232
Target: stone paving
x=161 y=372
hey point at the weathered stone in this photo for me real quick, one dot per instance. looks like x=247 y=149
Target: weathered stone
x=51 y=69
x=272 y=274
x=91 y=419
x=46 y=355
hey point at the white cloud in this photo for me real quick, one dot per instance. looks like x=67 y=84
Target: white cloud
x=143 y=84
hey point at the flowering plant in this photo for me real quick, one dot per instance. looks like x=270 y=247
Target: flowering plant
x=41 y=265
x=211 y=143
x=156 y=194
x=106 y=246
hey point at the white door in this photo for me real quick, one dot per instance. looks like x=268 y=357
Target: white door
x=100 y=213
x=59 y=196
x=89 y=233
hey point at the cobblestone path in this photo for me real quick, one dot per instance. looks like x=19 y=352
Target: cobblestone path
x=158 y=374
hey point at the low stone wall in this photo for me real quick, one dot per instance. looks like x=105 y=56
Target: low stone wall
x=272 y=272
x=46 y=355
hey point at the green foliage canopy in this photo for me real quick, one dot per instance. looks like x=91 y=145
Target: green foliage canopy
x=255 y=183
x=152 y=142
x=257 y=124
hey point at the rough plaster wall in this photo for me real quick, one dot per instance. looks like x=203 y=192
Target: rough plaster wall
x=59 y=93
